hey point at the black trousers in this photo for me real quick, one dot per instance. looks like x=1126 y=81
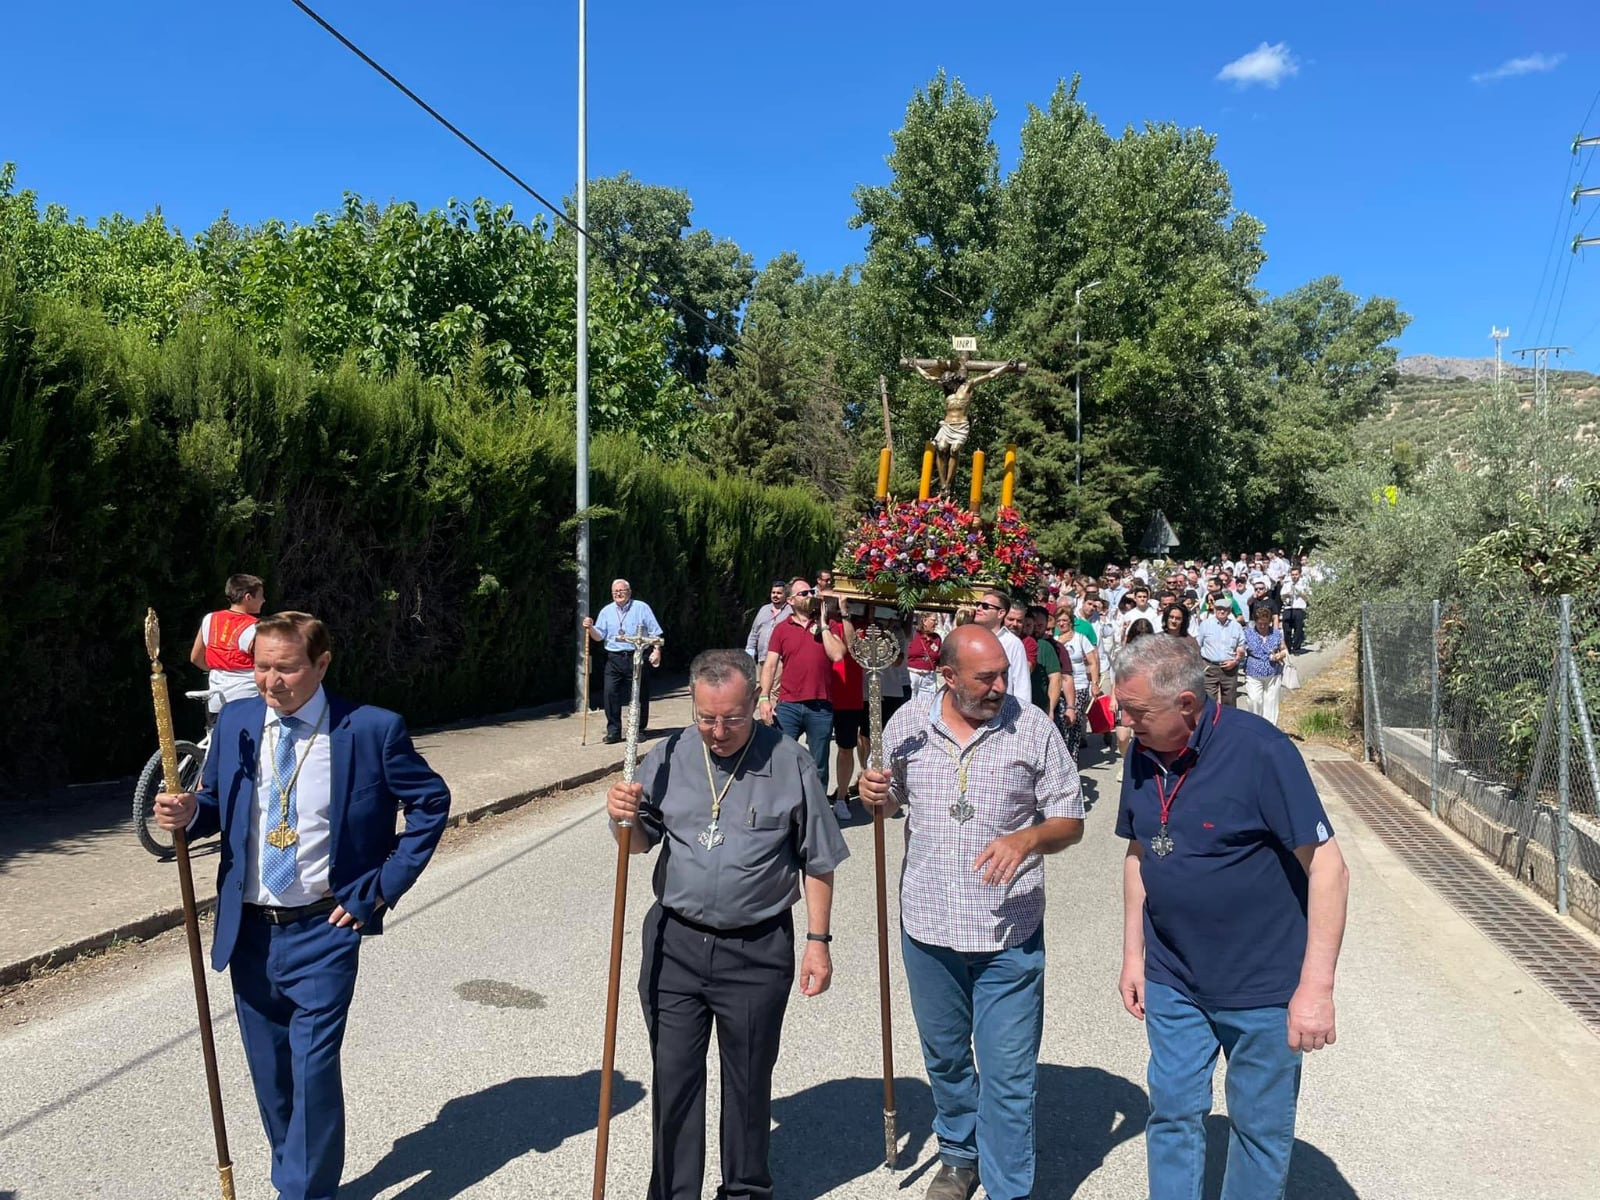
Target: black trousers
x=619 y=691
x=690 y=976
x=1294 y=629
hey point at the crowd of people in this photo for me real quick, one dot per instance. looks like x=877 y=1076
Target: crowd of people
x=1247 y=616
x=1234 y=897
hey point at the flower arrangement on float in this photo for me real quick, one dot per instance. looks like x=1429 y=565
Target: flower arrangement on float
x=1013 y=557
x=930 y=553
x=914 y=548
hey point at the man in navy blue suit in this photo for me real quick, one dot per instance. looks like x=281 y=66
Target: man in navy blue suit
x=303 y=787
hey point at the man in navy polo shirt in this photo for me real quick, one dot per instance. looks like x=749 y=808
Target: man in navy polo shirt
x=1234 y=896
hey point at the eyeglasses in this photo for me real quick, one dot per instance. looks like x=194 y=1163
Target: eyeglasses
x=987 y=607
x=728 y=723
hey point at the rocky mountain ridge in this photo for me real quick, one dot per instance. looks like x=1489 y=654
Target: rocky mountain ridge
x=1435 y=366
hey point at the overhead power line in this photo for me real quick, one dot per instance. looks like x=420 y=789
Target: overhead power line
x=611 y=255
x=1565 y=215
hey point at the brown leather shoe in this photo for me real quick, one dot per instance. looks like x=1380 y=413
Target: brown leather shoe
x=953 y=1183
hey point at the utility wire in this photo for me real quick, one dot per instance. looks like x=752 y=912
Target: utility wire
x=1572 y=262
x=1556 y=234
x=609 y=253
x=1582 y=231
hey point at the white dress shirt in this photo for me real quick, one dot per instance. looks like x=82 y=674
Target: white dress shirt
x=1019 y=679
x=313 y=792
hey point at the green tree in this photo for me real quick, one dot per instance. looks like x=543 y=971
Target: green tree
x=699 y=281
x=779 y=404
x=928 y=272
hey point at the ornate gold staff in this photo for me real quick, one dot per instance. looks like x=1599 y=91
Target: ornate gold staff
x=875 y=650
x=191 y=917
x=619 y=910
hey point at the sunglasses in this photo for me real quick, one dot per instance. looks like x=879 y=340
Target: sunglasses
x=984 y=604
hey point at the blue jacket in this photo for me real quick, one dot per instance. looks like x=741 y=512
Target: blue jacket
x=375 y=769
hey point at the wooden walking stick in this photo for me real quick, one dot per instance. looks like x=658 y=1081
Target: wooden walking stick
x=583 y=733
x=191 y=918
x=619 y=912
x=875 y=649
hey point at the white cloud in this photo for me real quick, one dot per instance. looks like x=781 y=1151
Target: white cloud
x=1528 y=64
x=1268 y=65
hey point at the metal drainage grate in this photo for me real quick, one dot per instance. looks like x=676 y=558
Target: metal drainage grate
x=1565 y=963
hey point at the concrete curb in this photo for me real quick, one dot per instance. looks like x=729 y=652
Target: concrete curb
x=162 y=920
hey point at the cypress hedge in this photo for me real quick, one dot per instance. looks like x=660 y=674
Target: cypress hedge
x=432 y=526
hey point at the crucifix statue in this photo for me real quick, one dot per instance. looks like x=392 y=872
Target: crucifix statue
x=954 y=379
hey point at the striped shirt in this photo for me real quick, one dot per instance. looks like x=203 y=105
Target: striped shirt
x=1014 y=772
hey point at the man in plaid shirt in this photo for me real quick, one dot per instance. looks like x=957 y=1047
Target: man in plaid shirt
x=989 y=790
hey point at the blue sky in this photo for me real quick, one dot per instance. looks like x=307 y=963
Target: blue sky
x=1357 y=132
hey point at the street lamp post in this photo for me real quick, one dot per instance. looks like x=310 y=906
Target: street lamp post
x=582 y=382
x=1077 y=389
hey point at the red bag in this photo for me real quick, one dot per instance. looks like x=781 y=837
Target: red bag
x=1101 y=718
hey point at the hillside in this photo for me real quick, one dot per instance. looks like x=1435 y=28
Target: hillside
x=1431 y=406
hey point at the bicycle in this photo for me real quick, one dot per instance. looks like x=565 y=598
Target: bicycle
x=191 y=762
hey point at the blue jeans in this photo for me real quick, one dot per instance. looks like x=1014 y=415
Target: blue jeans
x=994 y=1002
x=815 y=718
x=1263 y=1084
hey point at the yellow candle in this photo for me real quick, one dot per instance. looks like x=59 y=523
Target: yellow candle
x=977 y=480
x=926 y=488
x=883 y=473
x=1008 y=480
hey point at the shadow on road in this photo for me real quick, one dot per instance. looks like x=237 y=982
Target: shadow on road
x=831 y=1134
x=1083 y=1114
x=474 y=1136
x=1312 y=1174
x=64 y=820
x=1090 y=789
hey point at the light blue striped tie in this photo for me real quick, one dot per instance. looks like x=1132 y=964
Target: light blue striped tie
x=280 y=866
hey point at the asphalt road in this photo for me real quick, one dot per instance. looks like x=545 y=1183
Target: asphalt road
x=471 y=1061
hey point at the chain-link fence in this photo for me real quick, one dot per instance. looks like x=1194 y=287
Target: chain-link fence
x=1483 y=710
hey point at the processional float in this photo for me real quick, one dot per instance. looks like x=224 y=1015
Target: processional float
x=928 y=554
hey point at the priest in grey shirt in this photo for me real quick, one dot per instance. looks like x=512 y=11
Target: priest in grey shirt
x=740 y=815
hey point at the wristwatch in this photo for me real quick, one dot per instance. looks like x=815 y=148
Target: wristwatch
x=818 y=937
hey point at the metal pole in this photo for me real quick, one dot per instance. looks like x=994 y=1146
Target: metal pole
x=1077 y=386
x=582 y=494
x=1564 y=749
x=1372 y=687
x=1433 y=713
x=1582 y=711
x=1077 y=399
x=1366 y=691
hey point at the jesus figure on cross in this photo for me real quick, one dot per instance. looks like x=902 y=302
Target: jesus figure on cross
x=952 y=377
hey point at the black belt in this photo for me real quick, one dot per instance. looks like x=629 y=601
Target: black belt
x=744 y=931
x=283 y=916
